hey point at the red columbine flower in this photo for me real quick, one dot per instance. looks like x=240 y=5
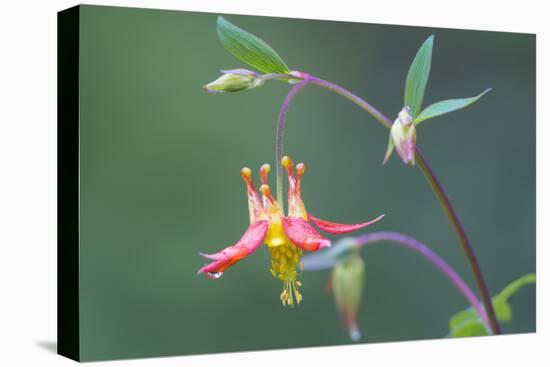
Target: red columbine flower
x=286 y=236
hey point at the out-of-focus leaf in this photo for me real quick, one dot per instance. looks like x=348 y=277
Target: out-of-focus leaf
x=461 y=317
x=501 y=301
x=443 y=107
x=417 y=77
x=502 y=309
x=468 y=323
x=250 y=49
x=512 y=288
x=468 y=327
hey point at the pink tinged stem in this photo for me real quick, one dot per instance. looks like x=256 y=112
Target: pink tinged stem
x=432 y=257
x=379 y=116
x=280 y=132
x=249 y=242
x=340 y=228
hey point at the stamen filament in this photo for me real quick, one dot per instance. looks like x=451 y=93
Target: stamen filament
x=285 y=260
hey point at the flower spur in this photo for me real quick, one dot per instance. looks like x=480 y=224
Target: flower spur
x=285 y=236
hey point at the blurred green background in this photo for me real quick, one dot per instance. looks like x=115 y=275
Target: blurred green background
x=160 y=161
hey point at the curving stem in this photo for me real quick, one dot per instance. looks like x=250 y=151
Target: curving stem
x=279 y=137
x=431 y=256
x=315 y=262
x=426 y=169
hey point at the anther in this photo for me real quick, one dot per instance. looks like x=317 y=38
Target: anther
x=286 y=162
x=246 y=173
x=300 y=169
x=264 y=171
x=266 y=192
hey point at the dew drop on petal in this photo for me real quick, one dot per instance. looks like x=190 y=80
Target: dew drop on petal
x=215 y=275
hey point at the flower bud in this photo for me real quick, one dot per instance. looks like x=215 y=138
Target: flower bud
x=405 y=116
x=403 y=137
x=235 y=80
x=347 y=286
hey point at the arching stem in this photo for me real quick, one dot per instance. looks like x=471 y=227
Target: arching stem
x=280 y=135
x=426 y=169
x=432 y=257
x=320 y=261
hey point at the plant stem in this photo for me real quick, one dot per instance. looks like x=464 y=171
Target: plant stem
x=465 y=243
x=280 y=134
x=436 y=260
x=379 y=116
x=426 y=169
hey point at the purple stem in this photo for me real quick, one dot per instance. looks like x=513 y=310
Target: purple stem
x=280 y=132
x=431 y=256
x=352 y=97
x=309 y=79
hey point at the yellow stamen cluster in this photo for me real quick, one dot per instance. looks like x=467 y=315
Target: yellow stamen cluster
x=285 y=260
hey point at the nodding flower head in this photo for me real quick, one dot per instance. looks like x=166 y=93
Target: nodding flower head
x=286 y=236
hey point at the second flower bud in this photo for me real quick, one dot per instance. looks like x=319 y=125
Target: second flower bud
x=402 y=137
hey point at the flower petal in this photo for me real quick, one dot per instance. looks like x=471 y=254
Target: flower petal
x=240 y=72
x=249 y=242
x=339 y=228
x=216 y=256
x=303 y=235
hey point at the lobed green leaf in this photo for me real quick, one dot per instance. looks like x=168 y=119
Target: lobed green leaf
x=250 y=49
x=443 y=107
x=468 y=322
x=417 y=77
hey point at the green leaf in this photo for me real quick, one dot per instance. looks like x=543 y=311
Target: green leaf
x=250 y=49
x=417 y=77
x=468 y=327
x=389 y=150
x=461 y=317
x=468 y=323
x=446 y=106
x=512 y=288
x=502 y=309
x=501 y=303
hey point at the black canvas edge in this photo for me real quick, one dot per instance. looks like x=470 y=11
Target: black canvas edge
x=68 y=216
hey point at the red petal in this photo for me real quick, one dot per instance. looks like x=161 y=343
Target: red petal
x=249 y=242
x=302 y=234
x=338 y=228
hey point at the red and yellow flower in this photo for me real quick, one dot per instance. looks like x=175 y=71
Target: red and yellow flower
x=285 y=236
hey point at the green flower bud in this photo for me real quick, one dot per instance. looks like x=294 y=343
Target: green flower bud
x=347 y=286
x=235 y=80
x=403 y=137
